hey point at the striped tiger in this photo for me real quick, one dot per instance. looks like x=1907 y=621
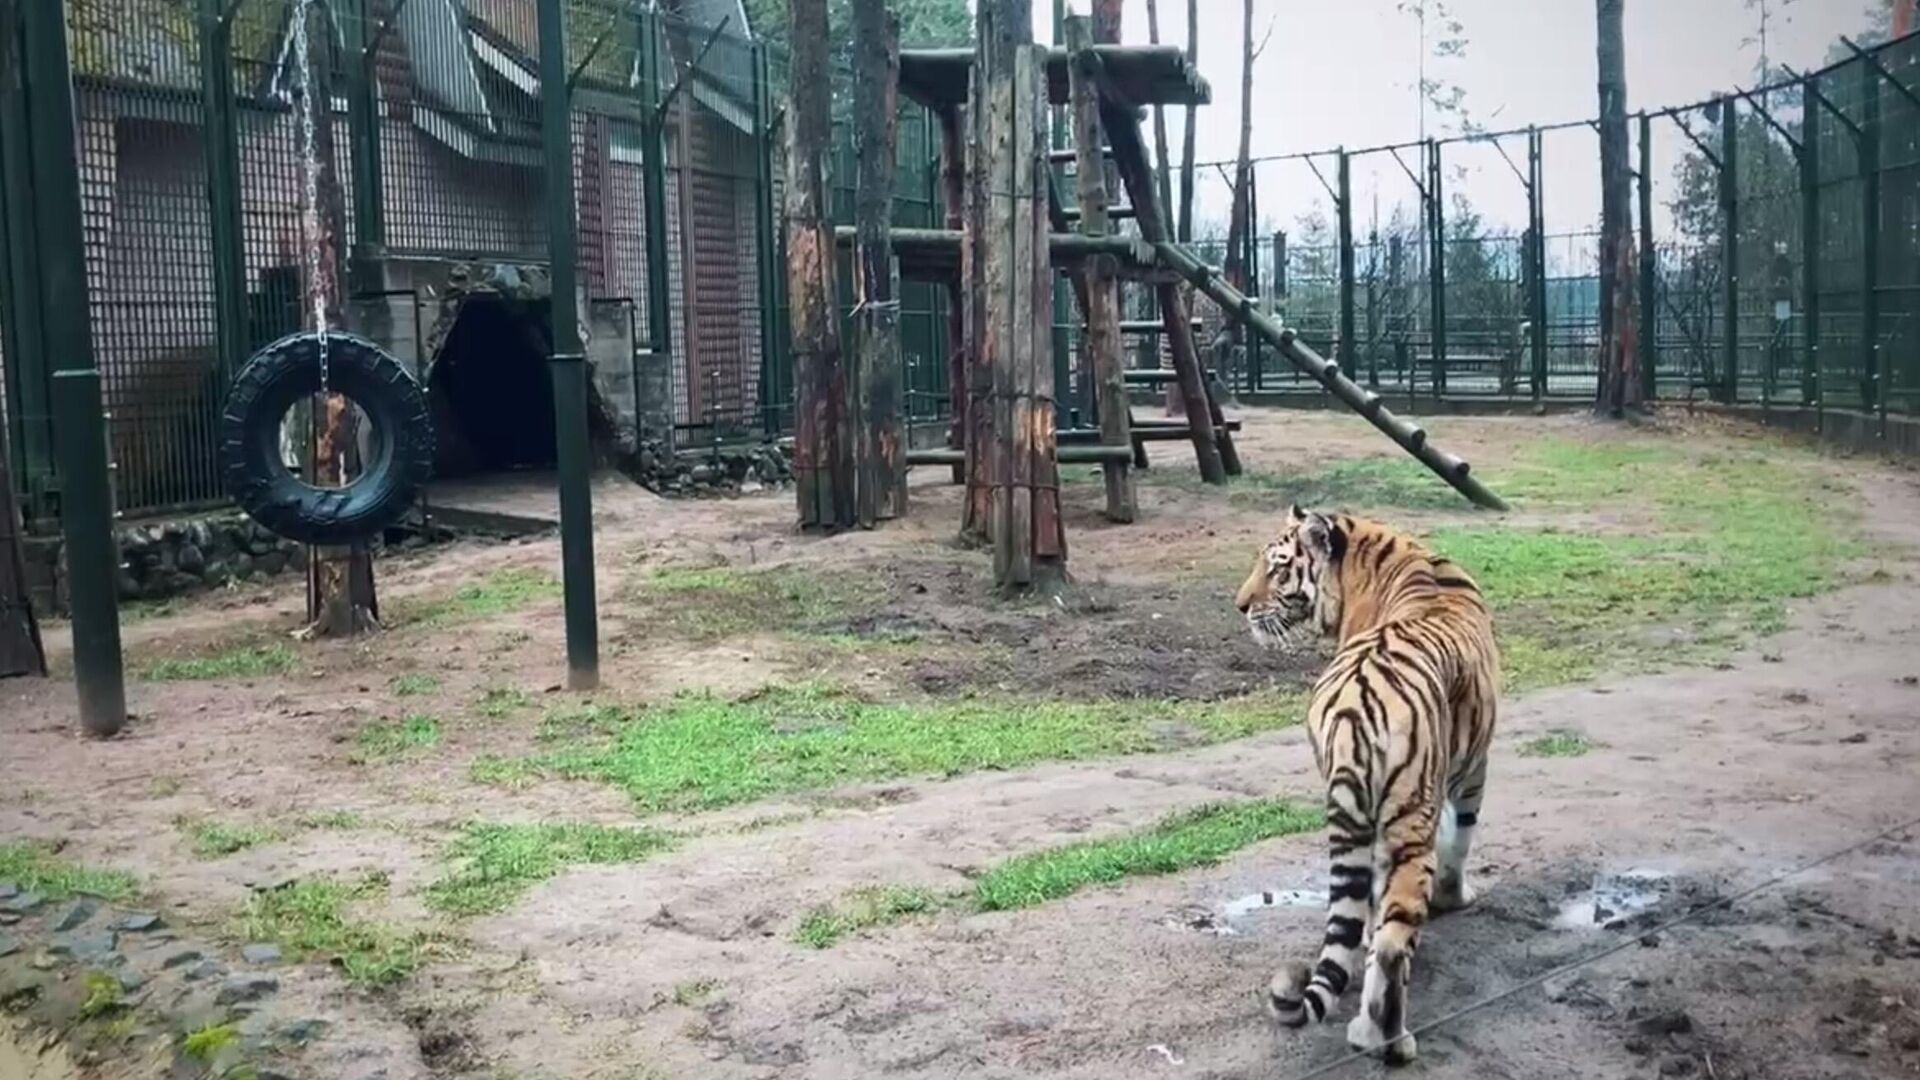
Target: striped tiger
x=1400 y=722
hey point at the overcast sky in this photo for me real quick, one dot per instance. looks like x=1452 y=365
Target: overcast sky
x=1343 y=72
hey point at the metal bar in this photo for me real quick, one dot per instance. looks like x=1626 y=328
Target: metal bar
x=1409 y=437
x=568 y=363
x=1810 y=388
x=1649 y=343
x=766 y=239
x=1873 y=358
x=1729 y=388
x=1829 y=104
x=674 y=90
x=1419 y=185
x=86 y=500
x=379 y=37
x=29 y=382
x=1767 y=116
x=1700 y=144
x=1437 y=274
x=222 y=147
x=653 y=186
x=1343 y=205
x=363 y=132
x=1537 y=301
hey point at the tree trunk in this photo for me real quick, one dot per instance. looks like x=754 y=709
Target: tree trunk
x=341 y=601
x=1240 y=223
x=1184 y=231
x=953 y=186
x=882 y=483
x=822 y=451
x=1619 y=385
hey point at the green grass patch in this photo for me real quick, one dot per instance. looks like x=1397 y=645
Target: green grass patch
x=500 y=702
x=860 y=910
x=713 y=603
x=694 y=992
x=217 y=839
x=314 y=918
x=1557 y=744
x=37 y=868
x=414 y=684
x=493 y=865
x=1184 y=841
x=332 y=819
x=201 y=1044
x=249 y=661
x=103 y=994
x=388 y=740
x=698 y=752
x=1192 y=838
x=500 y=592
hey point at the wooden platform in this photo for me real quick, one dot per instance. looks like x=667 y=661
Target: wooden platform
x=1141 y=74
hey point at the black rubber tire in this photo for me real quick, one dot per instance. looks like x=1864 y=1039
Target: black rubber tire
x=399 y=438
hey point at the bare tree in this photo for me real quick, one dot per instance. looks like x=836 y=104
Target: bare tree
x=1619 y=386
x=1184 y=231
x=1240 y=223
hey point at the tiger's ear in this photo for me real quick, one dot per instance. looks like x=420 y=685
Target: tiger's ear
x=1295 y=515
x=1319 y=535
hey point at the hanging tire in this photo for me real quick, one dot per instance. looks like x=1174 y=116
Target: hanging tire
x=399 y=440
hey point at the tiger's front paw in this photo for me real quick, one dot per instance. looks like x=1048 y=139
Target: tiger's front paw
x=1452 y=896
x=1365 y=1035
x=1287 y=995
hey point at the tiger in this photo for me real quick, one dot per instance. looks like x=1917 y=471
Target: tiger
x=1400 y=721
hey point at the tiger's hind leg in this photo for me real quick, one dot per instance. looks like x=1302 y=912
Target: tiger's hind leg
x=1299 y=995
x=1451 y=892
x=1381 y=1026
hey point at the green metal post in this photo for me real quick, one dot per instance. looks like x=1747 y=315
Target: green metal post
x=1537 y=299
x=1810 y=388
x=1730 y=241
x=1255 y=284
x=1873 y=373
x=1649 y=322
x=86 y=496
x=363 y=127
x=29 y=384
x=1437 y=273
x=569 y=362
x=653 y=182
x=766 y=239
x=1343 y=205
x=232 y=338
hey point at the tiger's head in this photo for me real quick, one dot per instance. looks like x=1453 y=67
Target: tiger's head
x=1294 y=585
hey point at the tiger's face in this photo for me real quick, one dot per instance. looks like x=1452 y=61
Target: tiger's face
x=1291 y=588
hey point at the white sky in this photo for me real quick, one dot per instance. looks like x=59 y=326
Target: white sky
x=1343 y=71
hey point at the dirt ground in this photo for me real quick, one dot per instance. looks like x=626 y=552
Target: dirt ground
x=1701 y=785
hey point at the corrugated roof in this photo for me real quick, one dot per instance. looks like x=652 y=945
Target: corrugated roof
x=157 y=42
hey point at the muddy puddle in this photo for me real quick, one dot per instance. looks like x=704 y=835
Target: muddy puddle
x=1612 y=901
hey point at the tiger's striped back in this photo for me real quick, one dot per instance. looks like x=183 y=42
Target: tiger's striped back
x=1400 y=722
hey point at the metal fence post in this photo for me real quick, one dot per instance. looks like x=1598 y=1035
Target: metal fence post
x=1537 y=301
x=1649 y=271
x=766 y=240
x=1256 y=284
x=1873 y=374
x=1810 y=382
x=1730 y=226
x=568 y=364
x=86 y=500
x=28 y=389
x=653 y=176
x=1348 y=322
x=232 y=337
x=363 y=129
x=1437 y=273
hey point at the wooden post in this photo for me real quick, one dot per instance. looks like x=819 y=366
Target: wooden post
x=953 y=186
x=1619 y=384
x=1163 y=151
x=882 y=484
x=1014 y=457
x=341 y=601
x=1102 y=342
x=822 y=450
x=1130 y=157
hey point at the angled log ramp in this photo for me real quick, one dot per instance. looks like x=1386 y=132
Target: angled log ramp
x=1410 y=437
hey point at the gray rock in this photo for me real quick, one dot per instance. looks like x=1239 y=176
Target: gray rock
x=261 y=953
x=206 y=969
x=94 y=948
x=190 y=559
x=272 y=562
x=181 y=956
x=8 y=946
x=140 y=922
x=131 y=981
x=77 y=914
x=245 y=988
x=305 y=1030
x=25 y=903
x=8 y=890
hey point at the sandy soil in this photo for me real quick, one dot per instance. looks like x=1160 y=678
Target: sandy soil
x=1704 y=784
